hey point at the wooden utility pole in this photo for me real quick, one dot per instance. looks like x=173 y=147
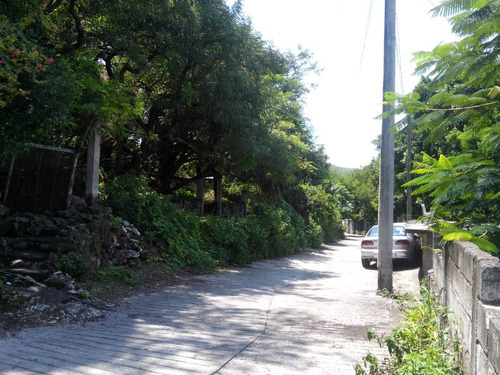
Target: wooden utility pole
x=386 y=188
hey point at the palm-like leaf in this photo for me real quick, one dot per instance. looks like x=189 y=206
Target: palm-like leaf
x=463 y=105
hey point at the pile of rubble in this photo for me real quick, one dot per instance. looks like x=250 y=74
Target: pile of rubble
x=38 y=252
x=31 y=304
x=39 y=244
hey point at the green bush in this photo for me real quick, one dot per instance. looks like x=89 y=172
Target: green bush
x=176 y=233
x=286 y=228
x=257 y=238
x=125 y=195
x=317 y=207
x=225 y=240
x=5 y=292
x=113 y=273
x=76 y=264
x=4 y=289
x=185 y=240
x=421 y=345
x=314 y=235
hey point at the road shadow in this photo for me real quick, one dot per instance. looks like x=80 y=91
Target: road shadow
x=398 y=265
x=183 y=329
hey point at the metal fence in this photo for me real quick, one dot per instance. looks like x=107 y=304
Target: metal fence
x=37 y=179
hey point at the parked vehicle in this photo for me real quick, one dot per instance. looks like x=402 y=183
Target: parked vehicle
x=404 y=245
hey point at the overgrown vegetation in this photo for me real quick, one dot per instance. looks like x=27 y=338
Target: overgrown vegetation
x=422 y=344
x=452 y=122
x=448 y=136
x=182 y=91
x=186 y=240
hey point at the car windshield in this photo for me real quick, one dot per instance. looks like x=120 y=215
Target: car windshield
x=396 y=231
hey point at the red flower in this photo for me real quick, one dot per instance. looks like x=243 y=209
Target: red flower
x=49 y=61
x=39 y=66
x=1 y=62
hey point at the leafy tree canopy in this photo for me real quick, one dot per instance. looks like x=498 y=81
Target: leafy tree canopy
x=183 y=89
x=458 y=106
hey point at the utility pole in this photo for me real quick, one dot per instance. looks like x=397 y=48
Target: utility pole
x=386 y=192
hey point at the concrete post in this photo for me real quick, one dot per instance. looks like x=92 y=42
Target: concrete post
x=386 y=194
x=200 y=191
x=93 y=159
x=244 y=200
x=218 y=194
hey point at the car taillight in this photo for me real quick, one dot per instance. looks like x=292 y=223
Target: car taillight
x=402 y=242
x=366 y=243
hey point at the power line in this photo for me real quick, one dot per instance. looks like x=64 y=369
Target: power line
x=398 y=56
x=368 y=21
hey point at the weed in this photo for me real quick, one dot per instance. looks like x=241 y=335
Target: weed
x=75 y=264
x=115 y=222
x=421 y=345
x=113 y=273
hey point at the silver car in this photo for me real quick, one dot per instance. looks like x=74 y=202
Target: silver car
x=404 y=245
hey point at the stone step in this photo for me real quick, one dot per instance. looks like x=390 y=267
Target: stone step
x=35 y=256
x=41 y=240
x=29 y=244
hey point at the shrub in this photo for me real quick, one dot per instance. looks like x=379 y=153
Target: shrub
x=176 y=233
x=76 y=264
x=314 y=235
x=317 y=207
x=124 y=194
x=185 y=240
x=225 y=240
x=114 y=273
x=257 y=238
x=422 y=345
x=4 y=289
x=286 y=228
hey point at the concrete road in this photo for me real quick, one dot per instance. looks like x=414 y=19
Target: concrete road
x=307 y=314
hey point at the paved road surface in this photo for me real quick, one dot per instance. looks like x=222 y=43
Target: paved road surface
x=307 y=314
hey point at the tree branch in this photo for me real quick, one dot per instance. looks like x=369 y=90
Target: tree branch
x=79 y=30
x=52 y=6
x=478 y=106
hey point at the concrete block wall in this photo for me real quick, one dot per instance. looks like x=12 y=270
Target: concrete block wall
x=468 y=281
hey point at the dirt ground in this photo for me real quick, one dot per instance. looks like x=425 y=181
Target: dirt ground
x=27 y=305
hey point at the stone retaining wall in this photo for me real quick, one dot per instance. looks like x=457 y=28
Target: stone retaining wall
x=468 y=280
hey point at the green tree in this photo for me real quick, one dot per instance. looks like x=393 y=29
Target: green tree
x=463 y=107
x=183 y=90
x=34 y=84
x=362 y=185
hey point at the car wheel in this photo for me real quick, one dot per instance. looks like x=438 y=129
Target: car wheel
x=365 y=263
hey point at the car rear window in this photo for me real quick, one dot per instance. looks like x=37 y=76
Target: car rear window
x=396 y=231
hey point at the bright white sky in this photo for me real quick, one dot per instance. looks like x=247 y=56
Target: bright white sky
x=349 y=96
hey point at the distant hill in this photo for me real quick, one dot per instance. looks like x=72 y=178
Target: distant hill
x=342 y=170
